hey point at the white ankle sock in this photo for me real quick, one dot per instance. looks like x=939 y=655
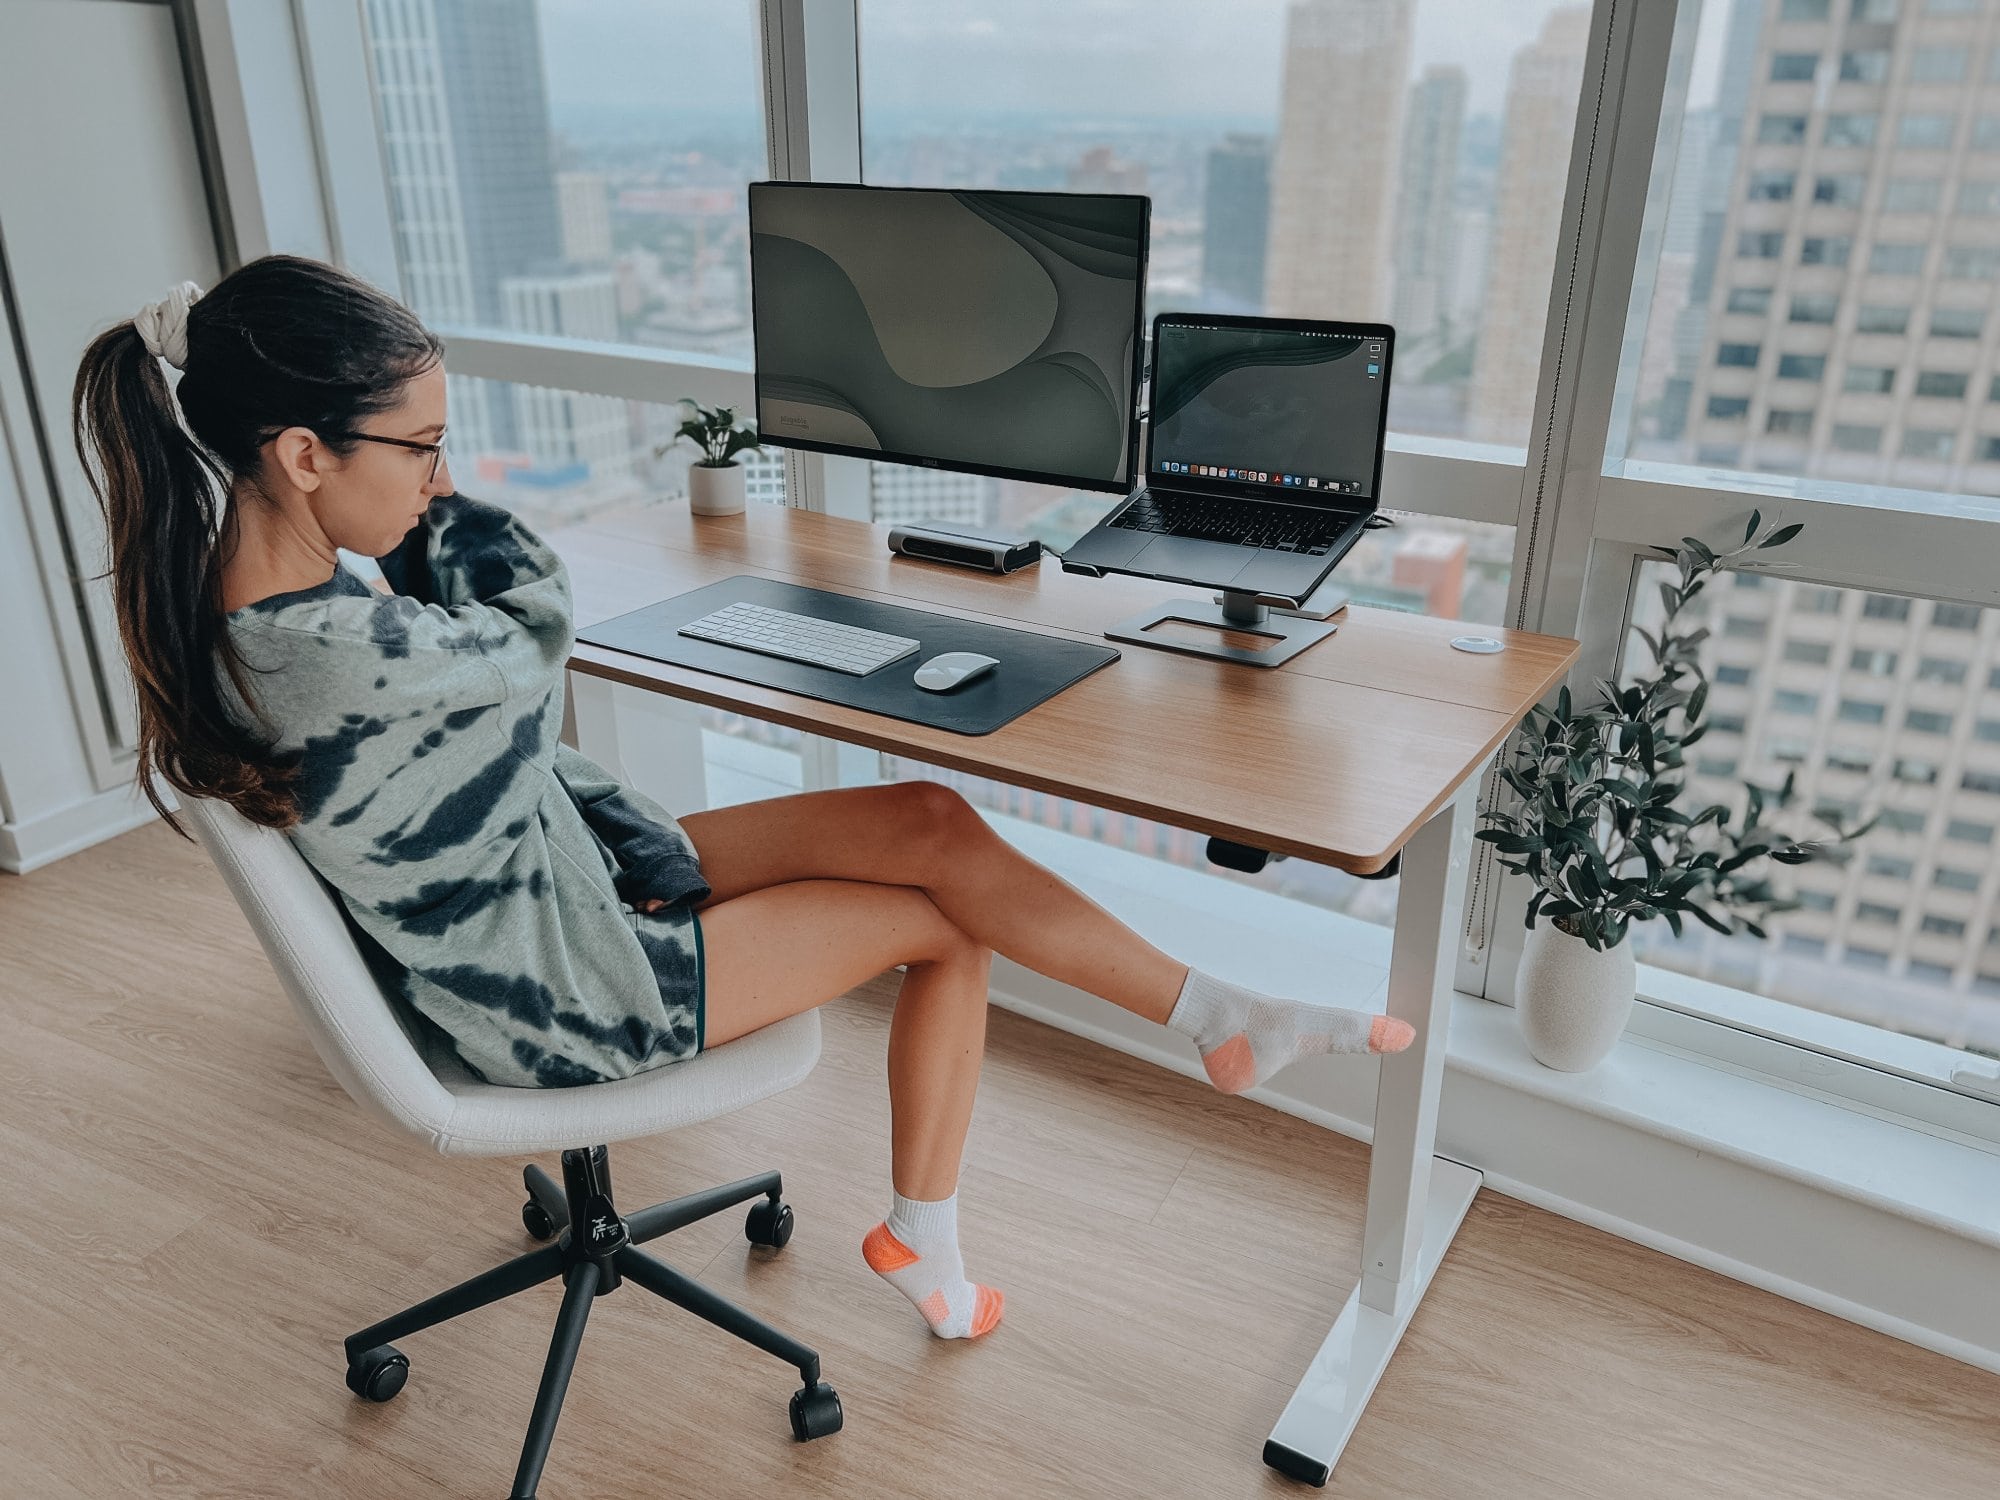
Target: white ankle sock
x=915 y=1250
x=1246 y=1036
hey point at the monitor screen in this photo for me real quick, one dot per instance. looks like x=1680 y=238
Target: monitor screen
x=990 y=332
x=1294 y=408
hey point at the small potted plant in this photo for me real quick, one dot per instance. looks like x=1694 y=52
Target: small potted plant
x=1595 y=822
x=715 y=480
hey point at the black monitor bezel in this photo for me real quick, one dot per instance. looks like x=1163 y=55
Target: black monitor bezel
x=1033 y=476
x=1251 y=489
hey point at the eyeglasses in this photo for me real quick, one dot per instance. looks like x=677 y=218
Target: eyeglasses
x=435 y=450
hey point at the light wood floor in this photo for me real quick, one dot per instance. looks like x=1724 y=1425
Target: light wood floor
x=192 y=1216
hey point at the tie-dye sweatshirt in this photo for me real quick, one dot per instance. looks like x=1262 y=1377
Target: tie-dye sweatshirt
x=495 y=868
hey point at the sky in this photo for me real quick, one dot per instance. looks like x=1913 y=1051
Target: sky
x=1119 y=58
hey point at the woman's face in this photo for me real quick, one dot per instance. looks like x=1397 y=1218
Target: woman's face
x=368 y=501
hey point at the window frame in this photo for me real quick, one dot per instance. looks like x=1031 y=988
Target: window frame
x=1583 y=523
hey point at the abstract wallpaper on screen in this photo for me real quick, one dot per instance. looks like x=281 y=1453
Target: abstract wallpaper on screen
x=994 y=329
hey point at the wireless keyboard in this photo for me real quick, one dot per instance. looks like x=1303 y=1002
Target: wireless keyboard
x=801 y=638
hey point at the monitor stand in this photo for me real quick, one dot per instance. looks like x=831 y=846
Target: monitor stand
x=1292 y=628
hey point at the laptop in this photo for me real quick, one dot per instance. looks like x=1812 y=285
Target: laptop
x=1264 y=460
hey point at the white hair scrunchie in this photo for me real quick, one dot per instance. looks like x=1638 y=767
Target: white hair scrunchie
x=163 y=326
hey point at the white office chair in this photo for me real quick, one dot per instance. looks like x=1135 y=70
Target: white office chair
x=386 y=1061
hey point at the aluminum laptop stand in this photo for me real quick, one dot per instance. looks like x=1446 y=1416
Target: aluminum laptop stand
x=1292 y=627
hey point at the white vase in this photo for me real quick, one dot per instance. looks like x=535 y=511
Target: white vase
x=715 y=489
x=1573 y=1000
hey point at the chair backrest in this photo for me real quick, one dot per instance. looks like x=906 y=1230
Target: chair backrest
x=360 y=1034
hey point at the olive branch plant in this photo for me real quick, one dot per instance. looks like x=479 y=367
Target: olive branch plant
x=1596 y=824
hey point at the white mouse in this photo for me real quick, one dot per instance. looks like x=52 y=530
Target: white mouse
x=942 y=673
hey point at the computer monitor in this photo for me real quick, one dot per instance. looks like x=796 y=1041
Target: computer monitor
x=985 y=332
x=1289 y=410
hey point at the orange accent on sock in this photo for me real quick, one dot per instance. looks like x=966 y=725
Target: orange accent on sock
x=1387 y=1034
x=934 y=1308
x=884 y=1252
x=986 y=1309
x=1231 y=1067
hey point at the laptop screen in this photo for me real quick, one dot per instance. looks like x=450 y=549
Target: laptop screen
x=1296 y=411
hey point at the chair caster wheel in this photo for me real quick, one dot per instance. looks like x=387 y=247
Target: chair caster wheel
x=815 y=1412
x=379 y=1373
x=535 y=1219
x=769 y=1224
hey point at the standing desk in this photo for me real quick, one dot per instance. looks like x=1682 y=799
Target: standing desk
x=1368 y=745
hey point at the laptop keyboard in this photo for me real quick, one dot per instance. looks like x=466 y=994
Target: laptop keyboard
x=1217 y=519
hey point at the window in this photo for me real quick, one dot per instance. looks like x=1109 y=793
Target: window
x=1795 y=703
x=1783 y=748
x=1950 y=879
x=1885 y=607
x=1849 y=758
x=1985 y=132
x=1874 y=10
x=1849 y=130
x=1789 y=423
x=1937 y=65
x=1825 y=250
x=1890 y=867
x=1914 y=772
x=1874 y=380
x=1738 y=356
x=1925 y=132
x=1864 y=67
x=1902 y=820
x=1856 y=437
x=1760 y=244
x=1957 y=322
x=1940 y=669
x=1877 y=912
x=1971 y=262
x=1989 y=450
x=1801 y=366
x=1743 y=627
x=1977 y=198
x=1817 y=900
x=1732 y=676
x=1949 y=927
x=1955 y=617
x=1872 y=959
x=1844 y=189
x=1873 y=663
x=1876 y=317
x=1912 y=195
x=1987 y=729
x=1810 y=653
x=1772 y=187
x=1927 y=721
x=1805 y=947
x=1793 y=67
x=1856 y=711
x=1987 y=783
x=1952 y=7
x=1754 y=300
x=1947 y=384
x=1896 y=260
x=1966 y=831
x=1728 y=408
x=1815 y=307
x=1804 y=10
x=1781 y=130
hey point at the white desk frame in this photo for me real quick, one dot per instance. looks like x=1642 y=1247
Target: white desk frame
x=1416 y=1199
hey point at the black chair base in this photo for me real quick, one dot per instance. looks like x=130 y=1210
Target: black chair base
x=592 y=1263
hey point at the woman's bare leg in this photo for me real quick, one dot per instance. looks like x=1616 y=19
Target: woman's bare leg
x=840 y=933
x=924 y=835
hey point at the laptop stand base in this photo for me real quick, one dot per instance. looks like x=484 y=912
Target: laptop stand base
x=1290 y=631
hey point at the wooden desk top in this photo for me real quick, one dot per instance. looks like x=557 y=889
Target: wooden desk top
x=1338 y=757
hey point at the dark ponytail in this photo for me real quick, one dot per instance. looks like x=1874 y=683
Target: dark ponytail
x=281 y=342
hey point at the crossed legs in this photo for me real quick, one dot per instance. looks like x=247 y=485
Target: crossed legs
x=859 y=880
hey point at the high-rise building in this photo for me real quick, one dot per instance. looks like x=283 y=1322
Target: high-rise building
x=904 y=492
x=1236 y=220
x=560 y=428
x=583 y=201
x=1542 y=88
x=1333 y=176
x=1100 y=170
x=1426 y=210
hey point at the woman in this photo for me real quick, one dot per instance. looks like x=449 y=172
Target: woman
x=555 y=927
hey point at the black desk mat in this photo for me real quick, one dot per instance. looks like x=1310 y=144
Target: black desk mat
x=1032 y=667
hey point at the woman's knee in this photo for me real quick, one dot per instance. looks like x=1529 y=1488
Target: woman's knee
x=938 y=824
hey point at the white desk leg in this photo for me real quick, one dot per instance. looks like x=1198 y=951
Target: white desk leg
x=590 y=721
x=1415 y=1201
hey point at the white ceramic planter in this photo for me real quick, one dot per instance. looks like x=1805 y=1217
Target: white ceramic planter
x=715 y=490
x=1572 y=1000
